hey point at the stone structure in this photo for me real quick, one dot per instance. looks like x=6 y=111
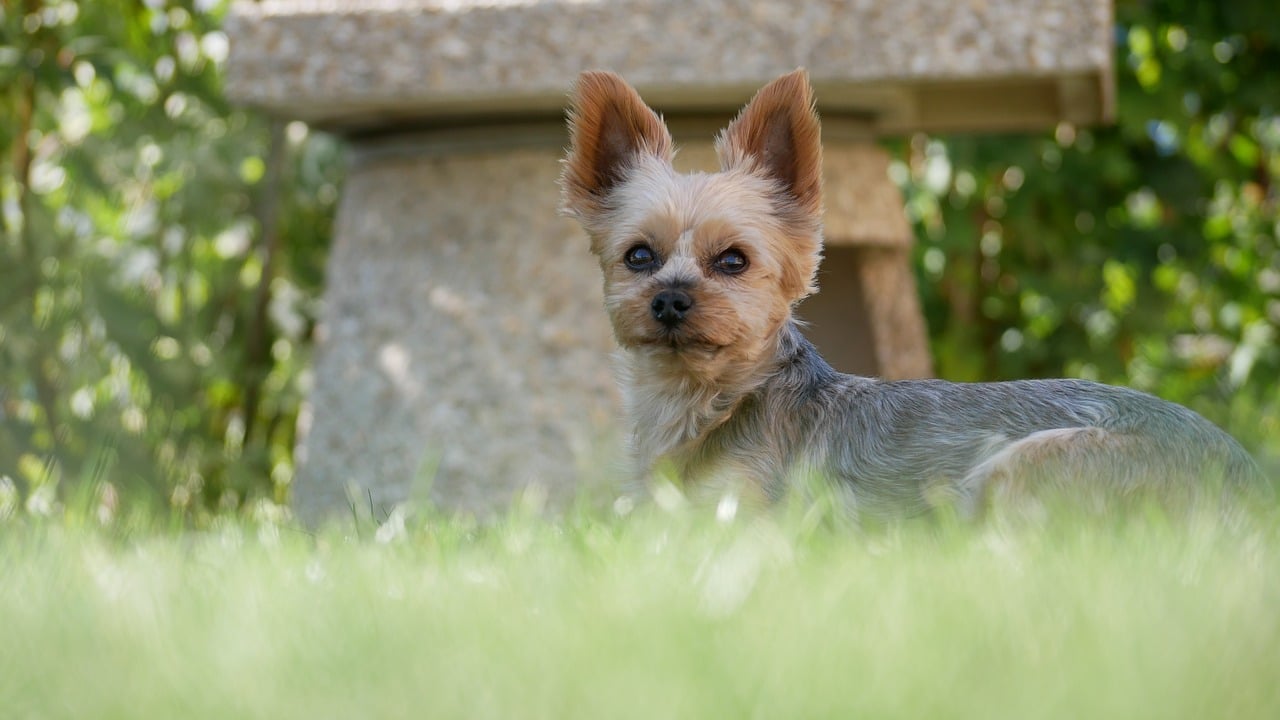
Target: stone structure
x=464 y=347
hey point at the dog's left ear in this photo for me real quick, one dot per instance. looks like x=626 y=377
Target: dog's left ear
x=778 y=133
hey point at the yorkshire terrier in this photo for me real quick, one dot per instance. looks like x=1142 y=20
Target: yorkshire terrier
x=701 y=275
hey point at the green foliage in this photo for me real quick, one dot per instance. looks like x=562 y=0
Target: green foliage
x=1144 y=253
x=159 y=257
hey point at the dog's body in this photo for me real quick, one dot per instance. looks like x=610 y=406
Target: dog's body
x=701 y=272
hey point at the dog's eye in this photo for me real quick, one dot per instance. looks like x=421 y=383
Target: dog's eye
x=730 y=262
x=640 y=257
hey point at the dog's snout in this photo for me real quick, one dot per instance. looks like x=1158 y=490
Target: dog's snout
x=670 y=307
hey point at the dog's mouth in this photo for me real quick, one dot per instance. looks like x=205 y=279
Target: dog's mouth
x=647 y=334
x=680 y=342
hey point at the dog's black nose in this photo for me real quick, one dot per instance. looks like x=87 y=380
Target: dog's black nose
x=670 y=306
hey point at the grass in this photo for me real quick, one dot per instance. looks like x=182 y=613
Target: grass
x=658 y=614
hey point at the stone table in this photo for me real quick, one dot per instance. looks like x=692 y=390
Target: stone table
x=463 y=353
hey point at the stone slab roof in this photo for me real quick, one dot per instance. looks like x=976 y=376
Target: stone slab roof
x=901 y=65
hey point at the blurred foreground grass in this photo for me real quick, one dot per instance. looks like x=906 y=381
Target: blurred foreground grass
x=652 y=615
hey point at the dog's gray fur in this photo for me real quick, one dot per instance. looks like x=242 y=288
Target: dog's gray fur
x=901 y=447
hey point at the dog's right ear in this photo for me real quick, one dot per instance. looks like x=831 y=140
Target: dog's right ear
x=610 y=129
x=779 y=135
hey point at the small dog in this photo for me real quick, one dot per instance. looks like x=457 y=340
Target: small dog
x=701 y=272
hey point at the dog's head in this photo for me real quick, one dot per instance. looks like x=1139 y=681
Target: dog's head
x=704 y=264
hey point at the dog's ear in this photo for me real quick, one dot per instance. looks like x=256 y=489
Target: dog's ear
x=778 y=133
x=610 y=128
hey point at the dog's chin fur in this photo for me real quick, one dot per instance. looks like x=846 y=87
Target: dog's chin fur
x=676 y=397
x=733 y=393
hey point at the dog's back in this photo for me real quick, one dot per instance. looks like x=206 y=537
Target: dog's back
x=907 y=445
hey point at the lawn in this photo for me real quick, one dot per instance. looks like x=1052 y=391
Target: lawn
x=656 y=614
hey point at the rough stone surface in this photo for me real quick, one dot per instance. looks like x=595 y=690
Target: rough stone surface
x=863 y=207
x=906 y=63
x=898 y=334
x=464 y=346
x=866 y=317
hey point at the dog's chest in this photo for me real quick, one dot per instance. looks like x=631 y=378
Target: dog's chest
x=711 y=444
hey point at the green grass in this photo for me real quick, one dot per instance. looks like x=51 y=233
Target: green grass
x=650 y=616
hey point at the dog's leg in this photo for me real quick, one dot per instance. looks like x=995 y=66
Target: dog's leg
x=1085 y=464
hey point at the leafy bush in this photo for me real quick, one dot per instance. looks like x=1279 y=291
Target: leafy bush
x=160 y=258
x=1144 y=253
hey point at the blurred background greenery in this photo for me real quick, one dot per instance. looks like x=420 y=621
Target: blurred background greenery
x=162 y=252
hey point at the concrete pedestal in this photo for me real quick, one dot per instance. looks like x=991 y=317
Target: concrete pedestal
x=463 y=348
